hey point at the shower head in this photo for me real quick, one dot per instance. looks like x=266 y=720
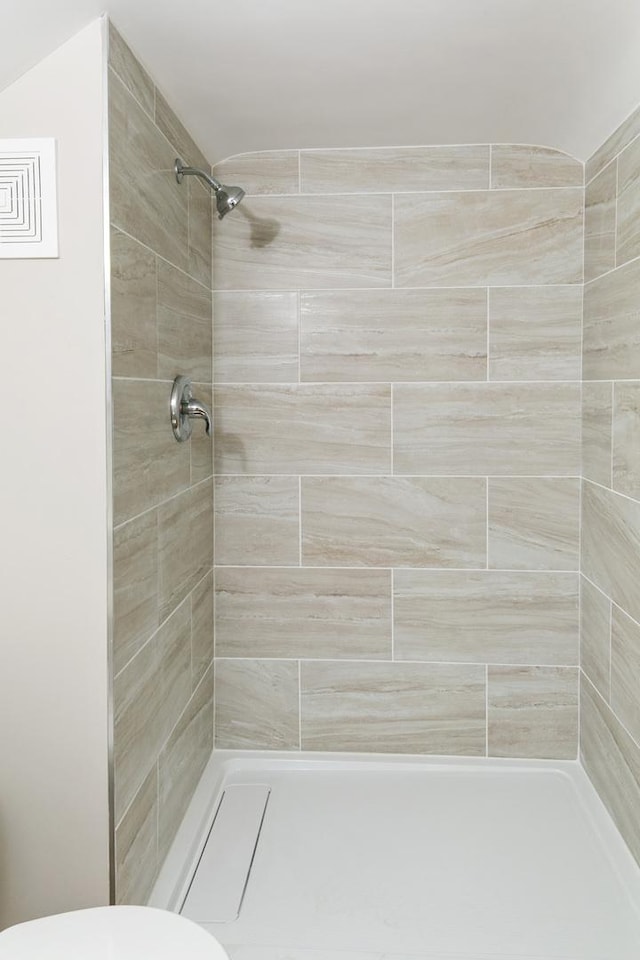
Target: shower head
x=226 y=197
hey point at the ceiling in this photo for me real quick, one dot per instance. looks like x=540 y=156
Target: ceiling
x=250 y=75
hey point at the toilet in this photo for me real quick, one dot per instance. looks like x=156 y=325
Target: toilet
x=110 y=933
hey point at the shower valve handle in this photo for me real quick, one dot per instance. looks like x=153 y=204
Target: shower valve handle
x=184 y=408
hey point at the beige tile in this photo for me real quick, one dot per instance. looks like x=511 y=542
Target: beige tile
x=182 y=761
x=500 y=237
x=257 y=520
x=201 y=629
x=626 y=439
x=148 y=464
x=612 y=760
x=134 y=338
x=316 y=429
x=533 y=712
x=269 y=171
x=618 y=140
x=277 y=243
x=600 y=223
x=291 y=613
x=146 y=202
x=393 y=335
x=595 y=636
x=394 y=169
x=184 y=325
x=524 y=165
x=611 y=545
x=393 y=708
x=628 y=206
x=199 y=231
x=534 y=523
x=487 y=616
x=135 y=586
x=535 y=333
x=393 y=521
x=255 y=337
x=596 y=431
x=183 y=143
x=200 y=445
x=256 y=705
x=185 y=538
x=625 y=670
x=611 y=349
x=131 y=72
x=136 y=846
x=487 y=429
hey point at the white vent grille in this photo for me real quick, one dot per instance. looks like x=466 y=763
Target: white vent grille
x=28 y=205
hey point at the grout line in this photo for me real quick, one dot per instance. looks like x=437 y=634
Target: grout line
x=609 y=708
x=387 y=289
x=159 y=256
x=615 y=219
x=393 y=241
x=370 y=569
x=488 y=377
x=487 y=520
x=403 y=476
x=161 y=503
x=299 y=704
x=300 y=521
x=490 y=166
x=607 y=597
x=299 y=171
x=611 y=434
x=392 y=453
x=403 y=662
x=607 y=273
x=286 y=385
x=486 y=708
x=615 y=493
x=610 y=653
x=393 y=616
x=299 y=319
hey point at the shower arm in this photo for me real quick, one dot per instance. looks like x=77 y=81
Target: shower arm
x=183 y=171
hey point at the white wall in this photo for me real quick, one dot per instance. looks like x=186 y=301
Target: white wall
x=54 y=828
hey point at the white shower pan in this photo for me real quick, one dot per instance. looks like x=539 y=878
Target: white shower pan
x=347 y=858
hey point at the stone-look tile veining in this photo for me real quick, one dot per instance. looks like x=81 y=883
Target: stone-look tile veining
x=291 y=613
x=134 y=337
x=135 y=586
x=534 y=523
x=625 y=671
x=199 y=232
x=626 y=439
x=273 y=171
x=600 y=223
x=393 y=708
x=628 y=206
x=611 y=545
x=305 y=429
x=283 y=243
x=257 y=521
x=395 y=169
x=611 y=347
x=596 y=431
x=613 y=145
x=131 y=72
x=136 y=845
x=486 y=617
x=256 y=337
x=535 y=333
x=522 y=165
x=185 y=544
x=480 y=238
x=533 y=712
x=184 y=325
x=595 y=637
x=393 y=335
x=485 y=429
x=257 y=705
x=169 y=124
x=393 y=521
x=201 y=629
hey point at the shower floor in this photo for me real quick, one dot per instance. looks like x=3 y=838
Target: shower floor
x=357 y=860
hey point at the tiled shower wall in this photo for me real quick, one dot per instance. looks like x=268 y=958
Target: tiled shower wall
x=397 y=372
x=610 y=714
x=163 y=491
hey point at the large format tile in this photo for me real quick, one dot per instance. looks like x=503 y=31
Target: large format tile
x=625 y=670
x=201 y=445
x=202 y=626
x=393 y=708
x=487 y=429
x=257 y=520
x=611 y=545
x=178 y=136
x=596 y=431
x=600 y=223
x=148 y=464
x=394 y=521
x=626 y=438
x=134 y=337
x=289 y=242
x=535 y=333
x=184 y=325
x=131 y=72
x=614 y=144
x=479 y=238
x=523 y=165
x=612 y=760
x=488 y=616
x=395 y=169
x=146 y=202
x=595 y=637
x=293 y=612
x=611 y=349
x=534 y=523
x=256 y=337
x=393 y=335
x=136 y=845
x=135 y=586
x=257 y=705
x=185 y=544
x=269 y=171
x=310 y=429
x=199 y=231
x=533 y=712
x=628 y=205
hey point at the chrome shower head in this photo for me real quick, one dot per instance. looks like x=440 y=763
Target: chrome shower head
x=226 y=197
